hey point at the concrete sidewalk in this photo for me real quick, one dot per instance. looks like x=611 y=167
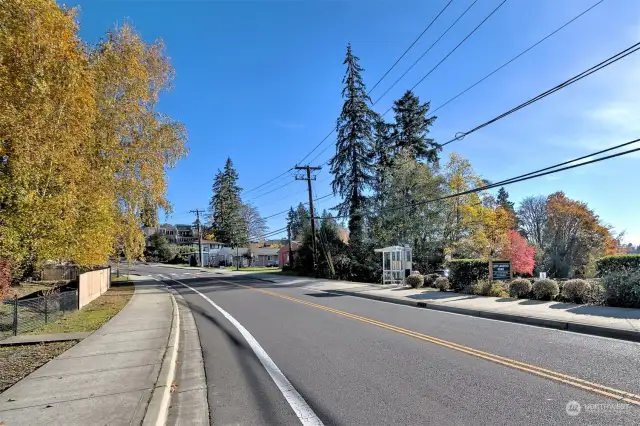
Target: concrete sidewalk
x=622 y=323
x=106 y=379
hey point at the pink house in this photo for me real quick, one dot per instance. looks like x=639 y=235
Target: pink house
x=283 y=254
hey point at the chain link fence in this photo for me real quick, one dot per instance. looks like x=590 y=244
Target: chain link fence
x=19 y=316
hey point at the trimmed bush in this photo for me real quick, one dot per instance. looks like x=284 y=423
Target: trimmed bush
x=430 y=280
x=545 y=289
x=468 y=289
x=576 y=291
x=597 y=293
x=520 y=288
x=609 y=264
x=481 y=287
x=622 y=289
x=415 y=280
x=465 y=272
x=442 y=283
x=498 y=289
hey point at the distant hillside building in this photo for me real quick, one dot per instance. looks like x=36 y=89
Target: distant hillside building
x=180 y=234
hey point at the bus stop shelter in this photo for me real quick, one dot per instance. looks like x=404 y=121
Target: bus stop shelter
x=396 y=264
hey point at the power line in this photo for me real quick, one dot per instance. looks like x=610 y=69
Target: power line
x=531 y=175
x=276 y=232
x=273 y=190
x=286 y=211
x=609 y=61
x=459 y=44
x=425 y=52
x=436 y=66
x=410 y=46
x=267 y=182
x=381 y=78
x=515 y=57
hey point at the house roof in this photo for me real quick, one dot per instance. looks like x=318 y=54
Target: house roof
x=266 y=251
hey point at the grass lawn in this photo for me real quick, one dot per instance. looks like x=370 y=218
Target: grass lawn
x=24 y=289
x=121 y=278
x=17 y=362
x=92 y=316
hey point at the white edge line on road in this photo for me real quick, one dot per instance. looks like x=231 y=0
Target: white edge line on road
x=296 y=401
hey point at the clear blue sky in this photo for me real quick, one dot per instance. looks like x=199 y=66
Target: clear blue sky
x=260 y=82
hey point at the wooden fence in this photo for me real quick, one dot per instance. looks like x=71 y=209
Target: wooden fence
x=93 y=284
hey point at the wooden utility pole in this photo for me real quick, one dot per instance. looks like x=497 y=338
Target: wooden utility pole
x=197 y=212
x=290 y=250
x=309 y=178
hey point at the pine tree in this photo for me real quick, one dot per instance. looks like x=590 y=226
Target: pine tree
x=351 y=165
x=412 y=128
x=299 y=221
x=227 y=223
x=381 y=157
x=503 y=201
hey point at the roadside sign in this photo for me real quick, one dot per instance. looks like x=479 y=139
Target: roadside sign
x=543 y=275
x=500 y=270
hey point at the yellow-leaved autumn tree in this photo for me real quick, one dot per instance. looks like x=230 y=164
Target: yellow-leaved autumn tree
x=47 y=109
x=83 y=149
x=140 y=143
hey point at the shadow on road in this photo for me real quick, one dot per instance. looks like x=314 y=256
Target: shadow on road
x=252 y=369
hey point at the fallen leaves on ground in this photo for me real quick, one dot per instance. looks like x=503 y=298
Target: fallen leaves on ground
x=17 y=362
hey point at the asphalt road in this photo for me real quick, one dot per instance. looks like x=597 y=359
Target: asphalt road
x=361 y=362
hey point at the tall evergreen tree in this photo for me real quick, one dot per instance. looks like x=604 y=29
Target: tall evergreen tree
x=381 y=157
x=299 y=221
x=227 y=224
x=411 y=129
x=351 y=165
x=505 y=203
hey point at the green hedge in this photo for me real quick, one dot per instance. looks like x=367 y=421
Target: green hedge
x=465 y=272
x=625 y=262
x=622 y=288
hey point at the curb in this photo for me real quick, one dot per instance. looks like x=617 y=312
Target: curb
x=158 y=407
x=575 y=327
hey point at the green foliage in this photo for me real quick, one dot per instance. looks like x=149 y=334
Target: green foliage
x=415 y=280
x=520 y=288
x=430 y=280
x=485 y=287
x=622 y=288
x=481 y=287
x=576 y=291
x=299 y=220
x=411 y=129
x=351 y=165
x=498 y=289
x=609 y=264
x=159 y=249
x=227 y=222
x=545 y=289
x=442 y=283
x=465 y=272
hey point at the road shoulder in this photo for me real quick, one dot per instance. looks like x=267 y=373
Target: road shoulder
x=189 y=404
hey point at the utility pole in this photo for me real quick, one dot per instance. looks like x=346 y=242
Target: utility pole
x=308 y=178
x=197 y=212
x=290 y=250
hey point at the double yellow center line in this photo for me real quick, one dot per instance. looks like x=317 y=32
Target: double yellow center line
x=607 y=391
